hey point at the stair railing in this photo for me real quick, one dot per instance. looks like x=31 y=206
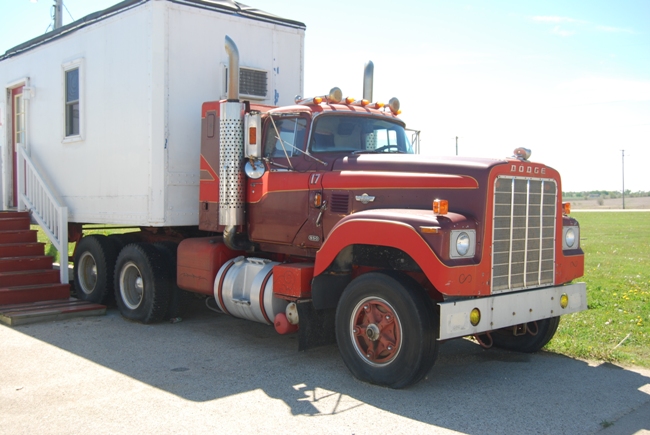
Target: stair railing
x=38 y=197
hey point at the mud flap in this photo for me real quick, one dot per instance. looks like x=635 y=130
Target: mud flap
x=316 y=326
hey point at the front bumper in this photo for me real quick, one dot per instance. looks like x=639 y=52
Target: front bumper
x=509 y=309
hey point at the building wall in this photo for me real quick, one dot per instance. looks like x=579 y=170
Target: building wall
x=145 y=73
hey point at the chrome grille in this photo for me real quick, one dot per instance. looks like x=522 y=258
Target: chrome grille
x=523 y=250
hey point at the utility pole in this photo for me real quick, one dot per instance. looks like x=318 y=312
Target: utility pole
x=58 y=14
x=623 y=160
x=456 y=145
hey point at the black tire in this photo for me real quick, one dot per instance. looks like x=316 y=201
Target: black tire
x=527 y=343
x=376 y=310
x=94 y=266
x=141 y=290
x=121 y=240
x=176 y=295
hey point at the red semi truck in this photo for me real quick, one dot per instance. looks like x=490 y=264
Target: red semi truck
x=318 y=218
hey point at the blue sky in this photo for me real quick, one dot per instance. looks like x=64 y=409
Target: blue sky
x=568 y=79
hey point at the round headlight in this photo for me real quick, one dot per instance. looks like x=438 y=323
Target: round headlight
x=570 y=237
x=462 y=243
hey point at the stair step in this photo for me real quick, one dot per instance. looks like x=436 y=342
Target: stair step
x=44 y=311
x=36 y=262
x=33 y=293
x=29 y=277
x=14 y=223
x=18 y=236
x=21 y=249
x=13 y=214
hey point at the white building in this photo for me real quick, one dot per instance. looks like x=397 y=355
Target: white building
x=109 y=107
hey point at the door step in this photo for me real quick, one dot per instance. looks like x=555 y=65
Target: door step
x=45 y=311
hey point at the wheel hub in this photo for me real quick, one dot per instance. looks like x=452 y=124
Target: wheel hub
x=376 y=331
x=131 y=285
x=87 y=273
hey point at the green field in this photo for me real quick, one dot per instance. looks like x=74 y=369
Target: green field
x=616 y=327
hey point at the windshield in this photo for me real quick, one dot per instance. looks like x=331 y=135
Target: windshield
x=358 y=134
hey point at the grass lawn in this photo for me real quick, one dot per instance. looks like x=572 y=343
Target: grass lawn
x=616 y=327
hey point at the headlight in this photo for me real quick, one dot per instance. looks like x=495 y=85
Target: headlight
x=463 y=243
x=571 y=238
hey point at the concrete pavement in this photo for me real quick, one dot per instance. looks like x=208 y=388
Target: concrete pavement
x=216 y=374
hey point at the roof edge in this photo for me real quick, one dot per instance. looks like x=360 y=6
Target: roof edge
x=229 y=7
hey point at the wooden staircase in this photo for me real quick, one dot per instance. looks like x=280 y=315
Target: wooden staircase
x=30 y=289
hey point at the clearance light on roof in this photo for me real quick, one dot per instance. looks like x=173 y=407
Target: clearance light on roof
x=440 y=207
x=364 y=103
x=376 y=105
x=566 y=208
x=349 y=100
x=335 y=96
x=393 y=104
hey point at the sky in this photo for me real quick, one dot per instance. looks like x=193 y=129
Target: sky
x=569 y=80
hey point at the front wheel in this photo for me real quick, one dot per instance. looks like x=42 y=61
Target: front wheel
x=386 y=329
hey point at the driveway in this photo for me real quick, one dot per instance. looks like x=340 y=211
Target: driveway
x=216 y=374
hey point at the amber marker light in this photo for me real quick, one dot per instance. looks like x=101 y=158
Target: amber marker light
x=564 y=300
x=349 y=100
x=318 y=100
x=430 y=230
x=364 y=103
x=475 y=316
x=440 y=206
x=566 y=208
x=252 y=135
x=318 y=200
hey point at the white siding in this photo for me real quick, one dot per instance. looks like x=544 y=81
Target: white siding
x=145 y=74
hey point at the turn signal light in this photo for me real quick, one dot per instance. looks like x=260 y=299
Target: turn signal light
x=566 y=208
x=564 y=300
x=440 y=206
x=475 y=316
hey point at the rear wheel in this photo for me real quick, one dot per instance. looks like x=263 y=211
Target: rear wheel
x=94 y=264
x=386 y=329
x=141 y=292
x=533 y=338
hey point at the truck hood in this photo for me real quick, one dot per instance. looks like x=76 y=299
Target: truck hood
x=477 y=168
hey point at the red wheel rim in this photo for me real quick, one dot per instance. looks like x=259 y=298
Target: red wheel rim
x=376 y=331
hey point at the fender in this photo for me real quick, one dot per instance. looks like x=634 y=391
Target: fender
x=400 y=229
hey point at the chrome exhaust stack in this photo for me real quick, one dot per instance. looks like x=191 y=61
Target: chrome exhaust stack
x=231 y=149
x=368 y=72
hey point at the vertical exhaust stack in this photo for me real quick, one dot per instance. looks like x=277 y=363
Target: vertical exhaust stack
x=368 y=73
x=231 y=149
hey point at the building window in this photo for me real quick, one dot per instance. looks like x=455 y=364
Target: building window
x=72 y=102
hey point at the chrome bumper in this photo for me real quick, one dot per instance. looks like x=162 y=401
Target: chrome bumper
x=509 y=309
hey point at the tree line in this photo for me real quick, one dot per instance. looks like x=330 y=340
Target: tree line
x=604 y=194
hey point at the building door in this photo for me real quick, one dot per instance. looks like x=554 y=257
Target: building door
x=18 y=134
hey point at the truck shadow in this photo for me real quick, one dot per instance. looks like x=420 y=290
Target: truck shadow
x=209 y=356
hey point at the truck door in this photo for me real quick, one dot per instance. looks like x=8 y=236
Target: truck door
x=278 y=203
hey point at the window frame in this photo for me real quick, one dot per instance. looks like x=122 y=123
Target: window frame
x=77 y=64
